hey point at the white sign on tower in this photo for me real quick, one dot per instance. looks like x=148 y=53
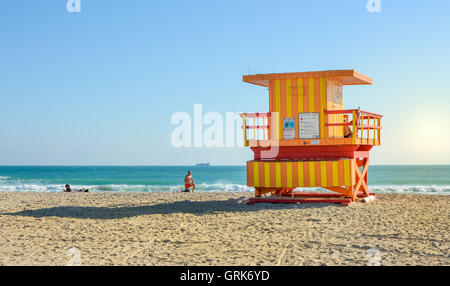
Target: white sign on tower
x=308 y=124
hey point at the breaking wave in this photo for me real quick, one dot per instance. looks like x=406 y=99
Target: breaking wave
x=124 y=188
x=37 y=187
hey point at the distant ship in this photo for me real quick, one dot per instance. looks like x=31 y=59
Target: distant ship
x=202 y=164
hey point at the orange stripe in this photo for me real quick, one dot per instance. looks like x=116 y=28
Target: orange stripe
x=305 y=95
x=323 y=88
x=283 y=104
x=317 y=173
x=311 y=88
x=353 y=171
x=329 y=173
x=250 y=182
x=271 y=96
x=273 y=175
x=289 y=98
x=283 y=175
x=261 y=173
x=294 y=174
x=317 y=105
x=300 y=94
x=341 y=173
x=295 y=105
x=306 y=174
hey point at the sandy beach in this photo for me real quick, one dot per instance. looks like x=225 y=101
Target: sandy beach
x=219 y=229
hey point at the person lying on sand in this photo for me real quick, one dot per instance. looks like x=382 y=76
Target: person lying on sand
x=68 y=189
x=189 y=182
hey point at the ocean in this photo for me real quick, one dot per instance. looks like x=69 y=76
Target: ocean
x=427 y=179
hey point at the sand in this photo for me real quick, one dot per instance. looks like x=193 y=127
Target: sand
x=219 y=229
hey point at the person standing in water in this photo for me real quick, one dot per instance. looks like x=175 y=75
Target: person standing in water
x=189 y=182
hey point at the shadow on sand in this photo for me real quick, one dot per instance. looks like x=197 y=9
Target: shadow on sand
x=189 y=207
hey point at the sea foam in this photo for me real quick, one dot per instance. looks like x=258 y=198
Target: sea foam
x=203 y=187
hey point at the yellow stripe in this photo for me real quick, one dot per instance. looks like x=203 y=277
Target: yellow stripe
x=312 y=175
x=300 y=95
x=323 y=174
x=277 y=125
x=334 y=165
x=280 y=126
x=278 y=106
x=288 y=98
x=278 y=175
x=289 y=174
x=322 y=107
x=353 y=171
x=244 y=128
x=311 y=95
x=301 y=181
x=347 y=172
x=266 y=175
x=378 y=131
x=355 y=132
x=256 y=174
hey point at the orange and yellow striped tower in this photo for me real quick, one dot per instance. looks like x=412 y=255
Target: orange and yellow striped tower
x=307 y=139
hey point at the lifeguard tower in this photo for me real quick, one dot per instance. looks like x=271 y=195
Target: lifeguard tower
x=308 y=140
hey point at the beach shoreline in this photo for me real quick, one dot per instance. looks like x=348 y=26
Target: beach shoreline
x=211 y=228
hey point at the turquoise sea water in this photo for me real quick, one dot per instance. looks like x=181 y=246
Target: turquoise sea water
x=382 y=179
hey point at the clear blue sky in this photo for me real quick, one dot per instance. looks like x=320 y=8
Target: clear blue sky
x=99 y=87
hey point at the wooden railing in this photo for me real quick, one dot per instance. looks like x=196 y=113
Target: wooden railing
x=364 y=125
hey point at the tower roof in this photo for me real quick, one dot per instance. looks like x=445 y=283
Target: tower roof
x=346 y=77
